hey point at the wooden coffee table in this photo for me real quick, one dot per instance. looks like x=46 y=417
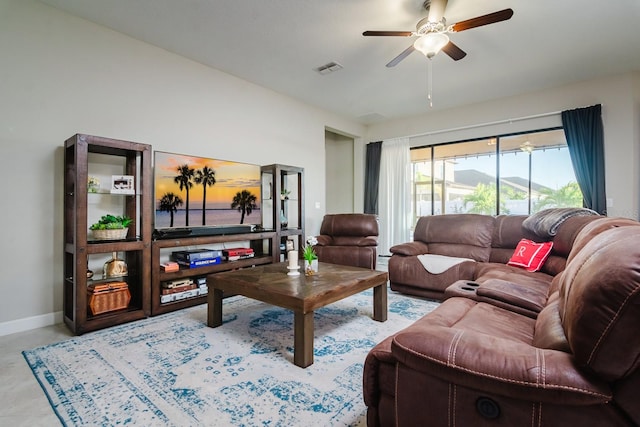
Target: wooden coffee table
x=302 y=294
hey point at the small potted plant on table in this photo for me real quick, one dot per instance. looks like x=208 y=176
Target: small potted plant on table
x=310 y=257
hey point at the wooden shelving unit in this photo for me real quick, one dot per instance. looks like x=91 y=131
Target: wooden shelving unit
x=264 y=244
x=143 y=255
x=126 y=158
x=283 y=203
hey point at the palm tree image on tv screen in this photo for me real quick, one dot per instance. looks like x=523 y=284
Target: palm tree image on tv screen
x=199 y=191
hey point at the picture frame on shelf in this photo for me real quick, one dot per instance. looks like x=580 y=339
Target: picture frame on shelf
x=122 y=184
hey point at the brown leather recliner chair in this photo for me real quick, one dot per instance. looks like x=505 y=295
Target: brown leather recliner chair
x=348 y=239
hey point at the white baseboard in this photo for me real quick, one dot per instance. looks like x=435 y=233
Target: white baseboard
x=28 y=323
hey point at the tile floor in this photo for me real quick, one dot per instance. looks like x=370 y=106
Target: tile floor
x=24 y=402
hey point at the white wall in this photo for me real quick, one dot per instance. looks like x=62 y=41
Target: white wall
x=61 y=75
x=620 y=99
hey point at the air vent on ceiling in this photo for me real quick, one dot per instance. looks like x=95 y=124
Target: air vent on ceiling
x=328 y=68
x=371 y=118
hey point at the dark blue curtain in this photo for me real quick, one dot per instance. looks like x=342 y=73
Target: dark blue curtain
x=585 y=139
x=372 y=177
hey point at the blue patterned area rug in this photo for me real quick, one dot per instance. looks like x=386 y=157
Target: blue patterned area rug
x=173 y=370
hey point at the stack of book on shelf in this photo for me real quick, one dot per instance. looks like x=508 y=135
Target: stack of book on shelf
x=202 y=285
x=170 y=266
x=197 y=257
x=234 y=254
x=179 y=289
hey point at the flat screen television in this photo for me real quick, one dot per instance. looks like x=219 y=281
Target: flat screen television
x=192 y=191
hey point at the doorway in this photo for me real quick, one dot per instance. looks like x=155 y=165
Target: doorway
x=339 y=173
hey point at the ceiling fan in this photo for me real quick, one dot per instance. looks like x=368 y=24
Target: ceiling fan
x=432 y=32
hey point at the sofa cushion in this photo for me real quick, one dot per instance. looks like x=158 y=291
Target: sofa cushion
x=351 y=224
x=347 y=241
x=599 y=303
x=563 y=242
x=508 y=231
x=407 y=274
x=461 y=235
x=361 y=256
x=490 y=270
x=488 y=348
x=568 y=232
x=530 y=255
x=592 y=229
x=548 y=331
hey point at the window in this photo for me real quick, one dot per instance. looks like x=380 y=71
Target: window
x=509 y=174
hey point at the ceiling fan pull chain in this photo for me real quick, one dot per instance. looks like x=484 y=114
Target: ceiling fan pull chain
x=430 y=82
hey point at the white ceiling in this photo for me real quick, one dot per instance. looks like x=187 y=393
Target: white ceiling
x=278 y=43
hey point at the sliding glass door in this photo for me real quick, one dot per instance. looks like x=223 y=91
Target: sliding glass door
x=511 y=174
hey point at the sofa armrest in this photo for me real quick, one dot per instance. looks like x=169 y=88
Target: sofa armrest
x=410 y=249
x=359 y=241
x=324 y=240
x=497 y=365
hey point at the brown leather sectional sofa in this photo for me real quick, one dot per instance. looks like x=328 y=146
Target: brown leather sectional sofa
x=482 y=238
x=556 y=347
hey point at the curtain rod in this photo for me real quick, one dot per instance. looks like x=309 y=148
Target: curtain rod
x=497 y=122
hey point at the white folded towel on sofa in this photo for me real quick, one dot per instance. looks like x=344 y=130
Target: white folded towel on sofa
x=436 y=264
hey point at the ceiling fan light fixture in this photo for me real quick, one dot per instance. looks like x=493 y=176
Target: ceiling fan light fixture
x=430 y=44
x=526 y=147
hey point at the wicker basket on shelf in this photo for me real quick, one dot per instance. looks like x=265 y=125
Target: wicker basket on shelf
x=110 y=234
x=106 y=297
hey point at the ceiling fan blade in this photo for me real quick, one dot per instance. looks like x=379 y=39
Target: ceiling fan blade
x=436 y=10
x=454 y=51
x=400 y=57
x=388 y=33
x=479 y=21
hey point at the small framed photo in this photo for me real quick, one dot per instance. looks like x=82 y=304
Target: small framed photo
x=122 y=184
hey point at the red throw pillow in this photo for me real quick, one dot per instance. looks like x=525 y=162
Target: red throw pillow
x=530 y=255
